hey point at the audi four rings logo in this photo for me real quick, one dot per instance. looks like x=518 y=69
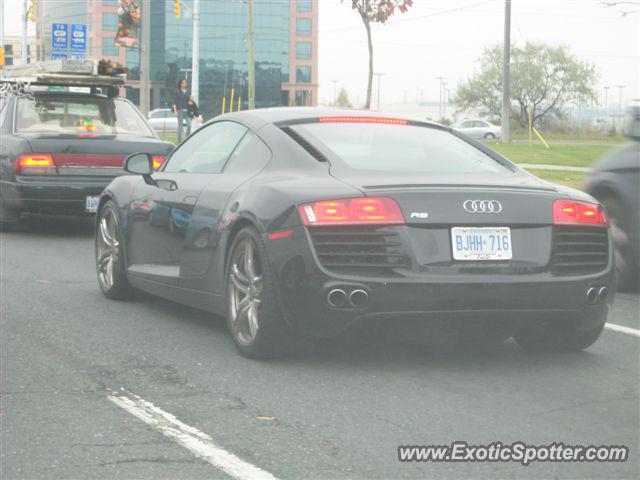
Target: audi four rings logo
x=482 y=206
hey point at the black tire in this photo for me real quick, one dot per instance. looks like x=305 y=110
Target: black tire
x=118 y=288
x=273 y=337
x=626 y=253
x=8 y=219
x=489 y=135
x=559 y=337
x=7 y=226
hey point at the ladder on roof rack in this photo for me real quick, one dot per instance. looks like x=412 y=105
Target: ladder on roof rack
x=84 y=73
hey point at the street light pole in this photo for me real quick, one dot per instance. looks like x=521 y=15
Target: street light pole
x=251 y=67
x=195 y=53
x=145 y=46
x=1 y=24
x=379 y=75
x=25 y=25
x=620 y=88
x=440 y=79
x=506 y=58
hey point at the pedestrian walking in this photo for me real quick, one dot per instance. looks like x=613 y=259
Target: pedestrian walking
x=183 y=108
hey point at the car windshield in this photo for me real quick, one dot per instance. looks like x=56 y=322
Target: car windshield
x=98 y=116
x=395 y=148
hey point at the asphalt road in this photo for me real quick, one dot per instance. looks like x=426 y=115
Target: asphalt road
x=340 y=412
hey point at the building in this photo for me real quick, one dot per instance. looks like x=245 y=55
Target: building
x=285 y=38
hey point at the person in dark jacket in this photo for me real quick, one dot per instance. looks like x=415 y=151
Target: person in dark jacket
x=182 y=107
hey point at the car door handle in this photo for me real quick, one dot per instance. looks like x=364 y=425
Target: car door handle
x=189 y=200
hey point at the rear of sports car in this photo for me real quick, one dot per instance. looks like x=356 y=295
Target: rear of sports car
x=443 y=237
x=66 y=148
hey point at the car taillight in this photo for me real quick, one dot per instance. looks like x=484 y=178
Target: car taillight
x=157 y=160
x=35 y=163
x=569 y=212
x=363 y=119
x=352 y=211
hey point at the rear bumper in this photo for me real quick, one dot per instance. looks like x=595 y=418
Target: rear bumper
x=52 y=196
x=466 y=298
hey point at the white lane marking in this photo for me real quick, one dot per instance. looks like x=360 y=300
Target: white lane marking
x=192 y=439
x=622 y=329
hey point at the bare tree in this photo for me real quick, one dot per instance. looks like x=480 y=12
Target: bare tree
x=376 y=11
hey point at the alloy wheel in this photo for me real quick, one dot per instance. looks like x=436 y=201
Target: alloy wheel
x=245 y=292
x=107 y=253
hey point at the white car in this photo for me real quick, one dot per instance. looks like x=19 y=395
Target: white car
x=480 y=129
x=164 y=121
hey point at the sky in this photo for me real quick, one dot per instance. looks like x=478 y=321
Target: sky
x=445 y=38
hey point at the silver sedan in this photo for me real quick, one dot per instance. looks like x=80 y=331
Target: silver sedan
x=164 y=121
x=480 y=129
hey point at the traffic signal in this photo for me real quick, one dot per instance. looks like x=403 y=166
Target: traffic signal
x=176 y=8
x=31 y=11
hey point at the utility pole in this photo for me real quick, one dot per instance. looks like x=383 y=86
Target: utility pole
x=506 y=58
x=2 y=29
x=145 y=46
x=440 y=79
x=444 y=101
x=379 y=75
x=620 y=88
x=25 y=25
x=251 y=66
x=195 y=54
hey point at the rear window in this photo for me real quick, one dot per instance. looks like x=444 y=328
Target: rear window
x=99 y=116
x=397 y=148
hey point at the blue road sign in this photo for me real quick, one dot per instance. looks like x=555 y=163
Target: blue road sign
x=59 y=37
x=78 y=37
x=58 y=56
x=78 y=56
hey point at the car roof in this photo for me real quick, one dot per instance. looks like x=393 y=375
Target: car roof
x=68 y=95
x=259 y=117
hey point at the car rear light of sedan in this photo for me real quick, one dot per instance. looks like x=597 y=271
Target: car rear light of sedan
x=35 y=164
x=157 y=160
x=570 y=212
x=352 y=211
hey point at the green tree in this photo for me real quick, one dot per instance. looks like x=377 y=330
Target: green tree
x=376 y=11
x=545 y=78
x=343 y=99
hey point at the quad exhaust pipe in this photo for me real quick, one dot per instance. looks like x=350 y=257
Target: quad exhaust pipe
x=596 y=295
x=339 y=298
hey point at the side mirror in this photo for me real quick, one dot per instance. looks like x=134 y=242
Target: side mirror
x=139 y=163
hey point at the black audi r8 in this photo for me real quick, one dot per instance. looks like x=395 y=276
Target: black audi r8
x=297 y=223
x=60 y=149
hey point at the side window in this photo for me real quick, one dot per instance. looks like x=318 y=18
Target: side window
x=467 y=124
x=207 y=150
x=250 y=156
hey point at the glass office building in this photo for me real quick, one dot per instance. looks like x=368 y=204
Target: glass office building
x=285 y=39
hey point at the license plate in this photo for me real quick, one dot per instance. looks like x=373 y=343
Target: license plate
x=486 y=243
x=91 y=204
